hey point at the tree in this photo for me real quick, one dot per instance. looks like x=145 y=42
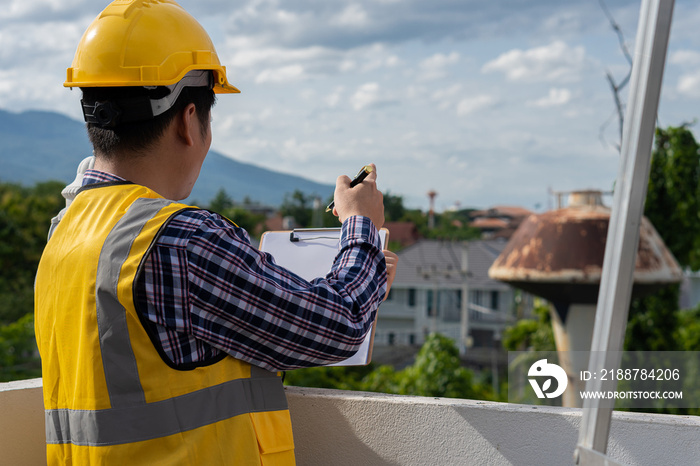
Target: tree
x=531 y=334
x=673 y=208
x=223 y=204
x=18 y=353
x=672 y=203
x=436 y=372
x=299 y=206
x=451 y=225
x=394 y=210
x=25 y=215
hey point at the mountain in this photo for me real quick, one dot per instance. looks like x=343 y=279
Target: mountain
x=40 y=146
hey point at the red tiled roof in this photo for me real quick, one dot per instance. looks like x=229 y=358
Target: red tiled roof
x=489 y=223
x=405 y=233
x=502 y=211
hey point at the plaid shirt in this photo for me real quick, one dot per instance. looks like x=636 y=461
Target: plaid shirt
x=205 y=292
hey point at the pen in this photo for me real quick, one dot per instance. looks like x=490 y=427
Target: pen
x=361 y=175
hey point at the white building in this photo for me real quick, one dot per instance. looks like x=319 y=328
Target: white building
x=432 y=278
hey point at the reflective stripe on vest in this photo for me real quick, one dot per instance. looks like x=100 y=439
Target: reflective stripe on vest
x=152 y=420
x=131 y=418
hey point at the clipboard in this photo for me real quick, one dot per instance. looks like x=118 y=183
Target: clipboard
x=309 y=252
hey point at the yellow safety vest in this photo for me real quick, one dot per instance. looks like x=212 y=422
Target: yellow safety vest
x=109 y=396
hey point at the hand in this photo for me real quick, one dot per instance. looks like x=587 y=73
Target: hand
x=391 y=261
x=364 y=199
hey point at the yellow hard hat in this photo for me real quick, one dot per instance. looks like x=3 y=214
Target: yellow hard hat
x=144 y=43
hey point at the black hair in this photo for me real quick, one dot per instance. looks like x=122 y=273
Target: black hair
x=137 y=136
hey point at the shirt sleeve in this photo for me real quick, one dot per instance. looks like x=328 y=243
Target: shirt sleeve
x=241 y=302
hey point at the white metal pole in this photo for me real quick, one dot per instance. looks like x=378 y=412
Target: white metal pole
x=623 y=232
x=464 y=273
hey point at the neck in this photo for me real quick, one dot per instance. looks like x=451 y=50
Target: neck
x=160 y=169
x=171 y=165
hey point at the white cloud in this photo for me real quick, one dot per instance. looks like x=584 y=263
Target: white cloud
x=447 y=92
x=434 y=67
x=366 y=96
x=250 y=56
x=32 y=9
x=440 y=60
x=685 y=57
x=555 y=98
x=20 y=43
x=689 y=81
x=352 y=15
x=373 y=58
x=554 y=62
x=473 y=104
x=689 y=84
x=445 y=97
x=333 y=99
x=283 y=74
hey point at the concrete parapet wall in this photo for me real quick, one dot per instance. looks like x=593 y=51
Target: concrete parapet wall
x=350 y=428
x=22 y=434
x=334 y=427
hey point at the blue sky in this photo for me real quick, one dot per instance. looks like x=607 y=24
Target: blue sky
x=487 y=103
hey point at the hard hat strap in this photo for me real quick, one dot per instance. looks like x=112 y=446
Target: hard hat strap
x=195 y=78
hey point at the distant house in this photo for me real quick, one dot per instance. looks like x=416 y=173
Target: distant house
x=432 y=279
x=498 y=221
x=403 y=233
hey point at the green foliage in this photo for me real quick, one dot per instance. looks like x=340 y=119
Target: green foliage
x=448 y=225
x=18 y=354
x=673 y=207
x=300 y=206
x=394 y=210
x=451 y=225
x=224 y=205
x=25 y=215
x=531 y=334
x=338 y=377
x=673 y=202
x=653 y=321
x=687 y=333
x=221 y=202
x=436 y=372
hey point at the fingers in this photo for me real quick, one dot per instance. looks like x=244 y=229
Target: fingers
x=373 y=174
x=362 y=199
x=343 y=180
x=391 y=262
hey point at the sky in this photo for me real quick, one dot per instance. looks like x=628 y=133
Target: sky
x=487 y=103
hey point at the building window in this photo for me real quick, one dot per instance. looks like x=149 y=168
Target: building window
x=494 y=300
x=478 y=297
x=412 y=297
x=433 y=303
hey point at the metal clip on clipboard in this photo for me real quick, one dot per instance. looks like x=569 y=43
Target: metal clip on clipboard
x=295 y=238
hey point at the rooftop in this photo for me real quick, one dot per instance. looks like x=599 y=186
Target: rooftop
x=428 y=261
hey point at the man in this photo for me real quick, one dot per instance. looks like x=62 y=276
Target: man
x=159 y=326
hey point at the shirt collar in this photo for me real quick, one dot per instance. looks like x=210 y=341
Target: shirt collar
x=97 y=176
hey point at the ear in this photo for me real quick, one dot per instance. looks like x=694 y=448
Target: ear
x=188 y=125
